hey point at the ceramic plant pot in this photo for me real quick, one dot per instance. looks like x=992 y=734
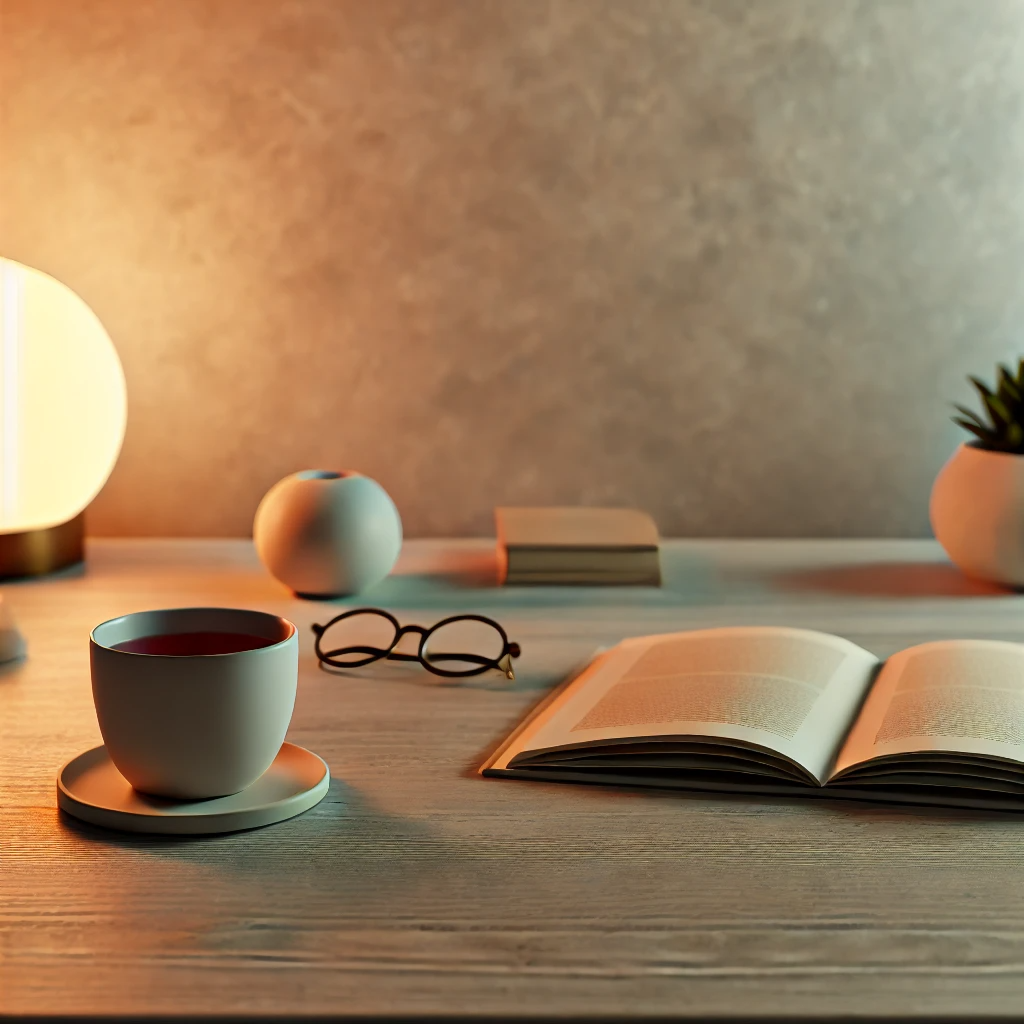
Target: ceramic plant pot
x=326 y=534
x=977 y=513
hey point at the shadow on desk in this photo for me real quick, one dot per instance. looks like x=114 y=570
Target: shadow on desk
x=10 y=670
x=815 y=802
x=469 y=581
x=352 y=836
x=890 y=579
x=528 y=679
x=347 y=831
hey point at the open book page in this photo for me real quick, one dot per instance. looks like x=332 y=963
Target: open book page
x=949 y=697
x=789 y=691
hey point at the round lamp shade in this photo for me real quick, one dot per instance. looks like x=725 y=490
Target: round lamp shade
x=62 y=402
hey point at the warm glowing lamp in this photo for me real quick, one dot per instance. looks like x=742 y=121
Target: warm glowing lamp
x=62 y=416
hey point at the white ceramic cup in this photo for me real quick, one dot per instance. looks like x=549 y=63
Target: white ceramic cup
x=194 y=726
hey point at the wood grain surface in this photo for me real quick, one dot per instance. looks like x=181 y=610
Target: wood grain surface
x=418 y=888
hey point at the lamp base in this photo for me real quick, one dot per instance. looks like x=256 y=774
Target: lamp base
x=38 y=552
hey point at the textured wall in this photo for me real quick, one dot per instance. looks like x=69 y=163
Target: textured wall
x=724 y=259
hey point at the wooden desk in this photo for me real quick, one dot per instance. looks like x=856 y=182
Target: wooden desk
x=418 y=888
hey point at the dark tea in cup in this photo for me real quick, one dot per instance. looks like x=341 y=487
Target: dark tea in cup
x=188 y=645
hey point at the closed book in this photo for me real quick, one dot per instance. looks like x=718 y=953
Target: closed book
x=585 y=546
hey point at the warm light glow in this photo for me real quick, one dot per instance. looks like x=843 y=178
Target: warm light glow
x=62 y=401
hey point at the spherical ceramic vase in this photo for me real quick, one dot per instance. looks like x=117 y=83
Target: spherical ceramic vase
x=977 y=513
x=327 y=534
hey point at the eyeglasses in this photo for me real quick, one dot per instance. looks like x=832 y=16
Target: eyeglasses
x=461 y=645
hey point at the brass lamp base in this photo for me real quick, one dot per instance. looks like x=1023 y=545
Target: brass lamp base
x=37 y=552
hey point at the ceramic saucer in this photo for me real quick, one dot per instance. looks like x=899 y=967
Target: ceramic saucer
x=91 y=788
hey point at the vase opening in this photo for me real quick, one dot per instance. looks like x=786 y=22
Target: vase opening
x=320 y=474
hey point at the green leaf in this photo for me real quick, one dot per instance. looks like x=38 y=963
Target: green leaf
x=1004 y=407
x=990 y=438
x=997 y=408
x=970 y=414
x=1006 y=385
x=982 y=390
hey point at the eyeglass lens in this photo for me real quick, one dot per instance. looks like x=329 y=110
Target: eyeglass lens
x=446 y=645
x=358 y=636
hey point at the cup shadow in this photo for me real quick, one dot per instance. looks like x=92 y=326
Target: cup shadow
x=342 y=804
x=348 y=846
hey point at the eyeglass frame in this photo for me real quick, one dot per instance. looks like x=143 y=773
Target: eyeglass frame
x=510 y=649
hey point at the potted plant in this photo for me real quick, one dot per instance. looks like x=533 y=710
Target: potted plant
x=977 y=501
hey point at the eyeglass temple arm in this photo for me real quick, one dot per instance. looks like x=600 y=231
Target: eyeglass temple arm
x=503 y=664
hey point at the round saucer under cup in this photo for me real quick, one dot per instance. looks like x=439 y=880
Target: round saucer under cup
x=91 y=789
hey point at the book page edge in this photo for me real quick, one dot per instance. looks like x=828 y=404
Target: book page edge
x=538 y=709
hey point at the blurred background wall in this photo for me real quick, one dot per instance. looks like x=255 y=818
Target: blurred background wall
x=726 y=260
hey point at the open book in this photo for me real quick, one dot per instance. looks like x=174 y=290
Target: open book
x=761 y=709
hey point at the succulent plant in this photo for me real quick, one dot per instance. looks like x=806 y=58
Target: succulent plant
x=1005 y=409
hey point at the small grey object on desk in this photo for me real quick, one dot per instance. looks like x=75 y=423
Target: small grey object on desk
x=12 y=643
x=327 y=534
